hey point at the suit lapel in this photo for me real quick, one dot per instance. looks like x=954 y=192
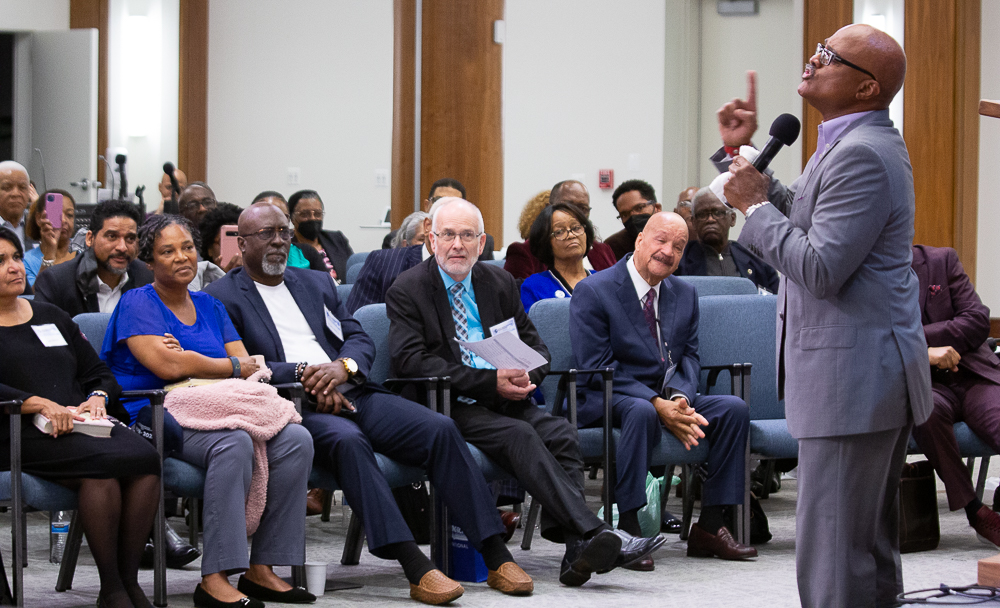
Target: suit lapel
x=442 y=304
x=486 y=300
x=668 y=309
x=633 y=309
x=250 y=292
x=923 y=280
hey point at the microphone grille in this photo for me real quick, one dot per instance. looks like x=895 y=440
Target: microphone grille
x=785 y=129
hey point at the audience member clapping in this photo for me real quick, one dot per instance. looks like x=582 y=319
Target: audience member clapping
x=560 y=237
x=53 y=243
x=207 y=346
x=50 y=366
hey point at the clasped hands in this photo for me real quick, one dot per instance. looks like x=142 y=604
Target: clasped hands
x=321 y=381
x=681 y=420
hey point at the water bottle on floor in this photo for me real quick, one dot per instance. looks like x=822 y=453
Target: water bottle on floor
x=58 y=533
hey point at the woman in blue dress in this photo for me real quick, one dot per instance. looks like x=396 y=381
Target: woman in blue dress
x=560 y=237
x=208 y=346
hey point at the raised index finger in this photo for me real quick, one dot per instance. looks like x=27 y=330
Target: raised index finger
x=752 y=90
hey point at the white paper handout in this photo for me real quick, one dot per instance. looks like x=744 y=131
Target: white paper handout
x=506 y=351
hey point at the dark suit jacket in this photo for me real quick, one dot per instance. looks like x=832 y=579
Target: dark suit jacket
x=312 y=291
x=749 y=266
x=337 y=248
x=486 y=255
x=610 y=330
x=951 y=311
x=621 y=243
x=377 y=275
x=422 y=332
x=64 y=286
x=522 y=264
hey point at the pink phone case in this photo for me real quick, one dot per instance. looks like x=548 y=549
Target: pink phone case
x=54 y=209
x=228 y=247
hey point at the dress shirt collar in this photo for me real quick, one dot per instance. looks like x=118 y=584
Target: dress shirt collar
x=448 y=281
x=830 y=130
x=425 y=254
x=641 y=286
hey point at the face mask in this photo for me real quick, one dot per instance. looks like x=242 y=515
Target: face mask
x=636 y=223
x=311 y=229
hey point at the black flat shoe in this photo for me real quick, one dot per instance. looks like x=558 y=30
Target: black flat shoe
x=295 y=595
x=202 y=599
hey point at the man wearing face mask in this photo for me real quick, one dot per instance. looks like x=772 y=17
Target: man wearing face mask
x=635 y=201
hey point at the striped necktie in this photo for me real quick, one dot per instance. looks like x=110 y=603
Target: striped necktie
x=459 y=315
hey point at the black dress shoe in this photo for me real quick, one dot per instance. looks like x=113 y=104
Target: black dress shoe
x=584 y=557
x=634 y=549
x=146 y=561
x=179 y=552
x=670 y=524
x=202 y=599
x=295 y=595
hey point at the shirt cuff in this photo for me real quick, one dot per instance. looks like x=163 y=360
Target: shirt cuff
x=753 y=208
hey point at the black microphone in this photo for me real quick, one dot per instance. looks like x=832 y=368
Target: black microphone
x=123 y=187
x=171 y=206
x=784 y=131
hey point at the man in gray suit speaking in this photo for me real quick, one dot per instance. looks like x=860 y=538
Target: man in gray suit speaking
x=851 y=351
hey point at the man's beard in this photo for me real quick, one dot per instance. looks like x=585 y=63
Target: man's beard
x=106 y=265
x=273 y=269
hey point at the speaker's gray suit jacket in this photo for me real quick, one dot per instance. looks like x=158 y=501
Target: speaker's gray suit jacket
x=855 y=358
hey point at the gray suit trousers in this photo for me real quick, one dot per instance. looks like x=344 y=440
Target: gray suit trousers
x=227 y=456
x=847 y=519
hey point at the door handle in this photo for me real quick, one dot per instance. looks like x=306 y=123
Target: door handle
x=85 y=183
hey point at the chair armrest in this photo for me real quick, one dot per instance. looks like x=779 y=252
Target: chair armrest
x=296 y=391
x=434 y=385
x=736 y=377
x=156 y=398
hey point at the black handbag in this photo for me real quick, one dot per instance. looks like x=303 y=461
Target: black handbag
x=919 y=527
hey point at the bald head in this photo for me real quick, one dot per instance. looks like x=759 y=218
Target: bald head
x=264 y=258
x=572 y=192
x=660 y=246
x=882 y=56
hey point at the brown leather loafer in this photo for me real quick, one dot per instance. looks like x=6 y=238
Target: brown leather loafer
x=314 y=501
x=645 y=564
x=436 y=588
x=722 y=544
x=510 y=522
x=510 y=579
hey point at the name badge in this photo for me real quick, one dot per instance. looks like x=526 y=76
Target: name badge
x=501 y=328
x=333 y=324
x=667 y=377
x=49 y=335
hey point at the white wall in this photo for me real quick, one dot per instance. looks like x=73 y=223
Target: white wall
x=988 y=245
x=770 y=43
x=27 y=15
x=304 y=84
x=583 y=91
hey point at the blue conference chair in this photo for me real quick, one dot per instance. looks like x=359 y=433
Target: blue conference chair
x=344 y=291
x=352 y=274
x=721 y=286
x=357 y=258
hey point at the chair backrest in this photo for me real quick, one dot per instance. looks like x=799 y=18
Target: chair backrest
x=376 y=324
x=499 y=262
x=721 y=286
x=344 y=292
x=741 y=329
x=94 y=325
x=352 y=273
x=551 y=320
x=357 y=258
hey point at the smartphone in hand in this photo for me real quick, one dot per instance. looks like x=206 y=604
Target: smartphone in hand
x=54 y=209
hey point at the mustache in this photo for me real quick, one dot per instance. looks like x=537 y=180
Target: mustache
x=662 y=259
x=809 y=69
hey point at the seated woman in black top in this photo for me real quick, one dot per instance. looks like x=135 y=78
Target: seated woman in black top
x=48 y=364
x=306 y=210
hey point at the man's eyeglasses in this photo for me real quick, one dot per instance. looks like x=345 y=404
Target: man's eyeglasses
x=718 y=214
x=828 y=55
x=468 y=237
x=640 y=208
x=267 y=234
x=564 y=233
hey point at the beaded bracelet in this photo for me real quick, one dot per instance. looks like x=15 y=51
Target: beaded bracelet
x=300 y=369
x=99 y=394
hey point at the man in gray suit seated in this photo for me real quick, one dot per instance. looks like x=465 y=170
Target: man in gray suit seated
x=852 y=355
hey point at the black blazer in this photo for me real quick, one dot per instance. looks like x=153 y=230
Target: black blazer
x=337 y=248
x=63 y=286
x=313 y=291
x=488 y=250
x=750 y=266
x=422 y=332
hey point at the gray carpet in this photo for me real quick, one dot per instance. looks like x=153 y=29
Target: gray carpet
x=768 y=582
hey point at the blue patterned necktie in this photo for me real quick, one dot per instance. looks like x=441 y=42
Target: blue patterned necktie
x=459 y=315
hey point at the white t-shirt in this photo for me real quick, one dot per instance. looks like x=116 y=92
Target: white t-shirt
x=297 y=338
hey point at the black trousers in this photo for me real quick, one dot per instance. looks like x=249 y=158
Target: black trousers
x=542 y=452
x=411 y=434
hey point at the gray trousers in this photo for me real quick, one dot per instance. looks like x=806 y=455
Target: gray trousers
x=227 y=456
x=847 y=519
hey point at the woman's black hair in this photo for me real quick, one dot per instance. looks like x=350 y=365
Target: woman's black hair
x=293 y=200
x=8 y=235
x=214 y=220
x=157 y=224
x=540 y=235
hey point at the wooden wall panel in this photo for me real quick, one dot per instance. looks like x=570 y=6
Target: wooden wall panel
x=929 y=116
x=86 y=14
x=192 y=123
x=403 y=99
x=461 y=103
x=822 y=19
x=967 y=49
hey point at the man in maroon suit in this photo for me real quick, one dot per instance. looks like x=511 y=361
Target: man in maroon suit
x=522 y=264
x=965 y=376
